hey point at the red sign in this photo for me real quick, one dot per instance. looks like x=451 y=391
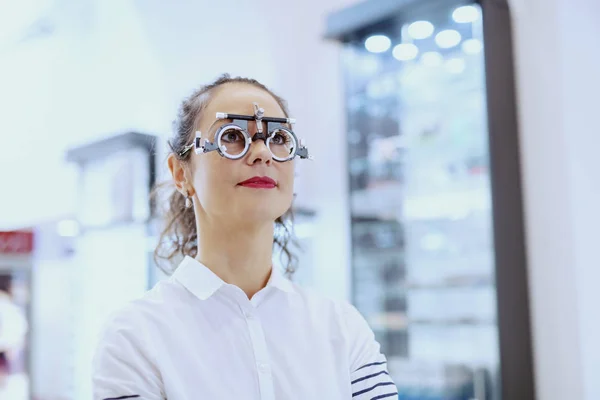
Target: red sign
x=16 y=242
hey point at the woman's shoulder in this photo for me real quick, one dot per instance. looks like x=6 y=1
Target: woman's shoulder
x=153 y=306
x=339 y=308
x=125 y=357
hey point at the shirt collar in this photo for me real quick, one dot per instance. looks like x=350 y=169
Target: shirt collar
x=277 y=280
x=203 y=283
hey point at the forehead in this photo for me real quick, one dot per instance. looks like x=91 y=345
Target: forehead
x=238 y=98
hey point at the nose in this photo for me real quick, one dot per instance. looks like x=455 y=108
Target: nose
x=258 y=151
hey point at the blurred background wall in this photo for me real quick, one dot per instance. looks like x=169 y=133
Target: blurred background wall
x=76 y=71
x=558 y=100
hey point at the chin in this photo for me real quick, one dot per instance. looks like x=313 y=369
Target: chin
x=264 y=213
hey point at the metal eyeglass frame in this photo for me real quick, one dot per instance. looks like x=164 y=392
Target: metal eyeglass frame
x=273 y=125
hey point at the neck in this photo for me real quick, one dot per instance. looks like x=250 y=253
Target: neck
x=239 y=255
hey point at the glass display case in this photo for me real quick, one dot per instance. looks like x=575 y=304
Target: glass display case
x=424 y=256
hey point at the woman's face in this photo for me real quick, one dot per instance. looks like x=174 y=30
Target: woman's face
x=216 y=179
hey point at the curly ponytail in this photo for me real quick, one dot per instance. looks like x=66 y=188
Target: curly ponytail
x=179 y=236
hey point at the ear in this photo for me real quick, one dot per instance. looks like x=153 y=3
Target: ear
x=180 y=177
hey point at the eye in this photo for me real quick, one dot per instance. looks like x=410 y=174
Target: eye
x=280 y=139
x=232 y=136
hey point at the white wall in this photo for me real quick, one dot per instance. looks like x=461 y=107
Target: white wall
x=581 y=126
x=558 y=64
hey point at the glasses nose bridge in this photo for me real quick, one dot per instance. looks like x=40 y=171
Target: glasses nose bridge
x=258 y=130
x=260 y=136
x=255 y=134
x=252 y=127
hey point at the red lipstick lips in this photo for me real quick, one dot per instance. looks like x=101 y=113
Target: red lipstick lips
x=259 y=182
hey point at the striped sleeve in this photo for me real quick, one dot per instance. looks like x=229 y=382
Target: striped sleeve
x=369 y=376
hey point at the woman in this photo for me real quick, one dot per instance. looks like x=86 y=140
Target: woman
x=13 y=334
x=226 y=325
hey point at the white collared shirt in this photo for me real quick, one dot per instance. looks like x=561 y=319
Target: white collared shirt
x=195 y=337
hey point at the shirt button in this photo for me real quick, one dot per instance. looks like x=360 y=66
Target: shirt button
x=249 y=315
x=263 y=368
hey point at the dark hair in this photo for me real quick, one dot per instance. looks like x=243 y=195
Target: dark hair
x=179 y=237
x=6 y=283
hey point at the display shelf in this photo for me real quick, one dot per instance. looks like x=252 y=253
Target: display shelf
x=400 y=321
x=450 y=322
x=452 y=282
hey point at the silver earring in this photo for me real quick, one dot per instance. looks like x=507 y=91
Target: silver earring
x=188 y=200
